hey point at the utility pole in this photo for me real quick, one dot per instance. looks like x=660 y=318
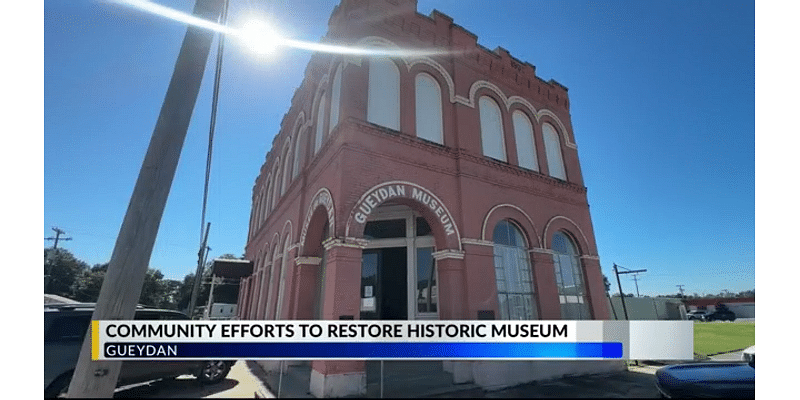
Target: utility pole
x=48 y=277
x=636 y=281
x=59 y=232
x=622 y=295
x=122 y=285
x=201 y=262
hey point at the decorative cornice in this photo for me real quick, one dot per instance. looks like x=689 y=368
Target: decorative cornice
x=377 y=130
x=516 y=170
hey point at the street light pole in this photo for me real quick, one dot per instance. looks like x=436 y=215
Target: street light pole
x=201 y=262
x=122 y=285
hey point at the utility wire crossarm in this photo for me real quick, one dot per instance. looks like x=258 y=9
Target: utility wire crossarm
x=58 y=237
x=622 y=295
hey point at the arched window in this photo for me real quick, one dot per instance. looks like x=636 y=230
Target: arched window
x=265 y=199
x=257 y=293
x=335 y=97
x=491 y=129
x=320 y=288
x=526 y=147
x=429 y=108
x=276 y=191
x=298 y=144
x=256 y=212
x=383 y=99
x=282 y=278
x=286 y=167
x=263 y=291
x=569 y=278
x=320 y=124
x=273 y=275
x=266 y=206
x=552 y=149
x=513 y=272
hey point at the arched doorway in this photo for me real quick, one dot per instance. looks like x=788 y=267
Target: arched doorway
x=398 y=270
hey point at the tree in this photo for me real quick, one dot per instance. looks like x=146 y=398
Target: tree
x=87 y=286
x=607 y=283
x=184 y=295
x=170 y=297
x=61 y=268
x=156 y=291
x=152 y=288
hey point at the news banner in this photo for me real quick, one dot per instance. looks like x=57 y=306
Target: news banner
x=420 y=340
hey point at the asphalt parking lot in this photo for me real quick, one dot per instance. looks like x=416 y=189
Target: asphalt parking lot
x=637 y=382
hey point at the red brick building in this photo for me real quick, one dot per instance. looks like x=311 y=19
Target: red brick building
x=435 y=186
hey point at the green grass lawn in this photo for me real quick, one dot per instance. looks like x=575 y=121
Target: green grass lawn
x=720 y=337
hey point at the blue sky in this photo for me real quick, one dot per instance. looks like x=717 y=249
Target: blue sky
x=662 y=102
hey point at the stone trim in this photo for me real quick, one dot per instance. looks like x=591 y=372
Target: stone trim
x=547 y=229
x=355 y=243
x=307 y=261
x=528 y=235
x=477 y=242
x=324 y=198
x=541 y=251
x=448 y=254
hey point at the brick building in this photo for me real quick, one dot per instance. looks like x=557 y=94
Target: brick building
x=430 y=186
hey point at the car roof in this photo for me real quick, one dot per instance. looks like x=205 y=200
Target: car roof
x=91 y=307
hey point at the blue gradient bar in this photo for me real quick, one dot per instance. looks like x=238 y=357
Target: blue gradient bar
x=334 y=350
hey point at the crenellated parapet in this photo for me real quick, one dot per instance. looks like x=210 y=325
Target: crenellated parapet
x=400 y=20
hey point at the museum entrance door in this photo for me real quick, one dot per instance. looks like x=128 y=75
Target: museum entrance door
x=399 y=282
x=398 y=271
x=384 y=293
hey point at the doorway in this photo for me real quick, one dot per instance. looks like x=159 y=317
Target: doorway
x=399 y=282
x=398 y=271
x=383 y=278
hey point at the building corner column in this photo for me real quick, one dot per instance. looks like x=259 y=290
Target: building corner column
x=341 y=300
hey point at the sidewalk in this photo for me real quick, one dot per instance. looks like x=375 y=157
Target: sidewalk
x=241 y=382
x=293 y=384
x=637 y=382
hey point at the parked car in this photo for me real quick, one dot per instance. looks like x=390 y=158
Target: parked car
x=697 y=315
x=749 y=355
x=717 y=380
x=65 y=327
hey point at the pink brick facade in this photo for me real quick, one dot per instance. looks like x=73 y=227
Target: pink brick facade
x=310 y=207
